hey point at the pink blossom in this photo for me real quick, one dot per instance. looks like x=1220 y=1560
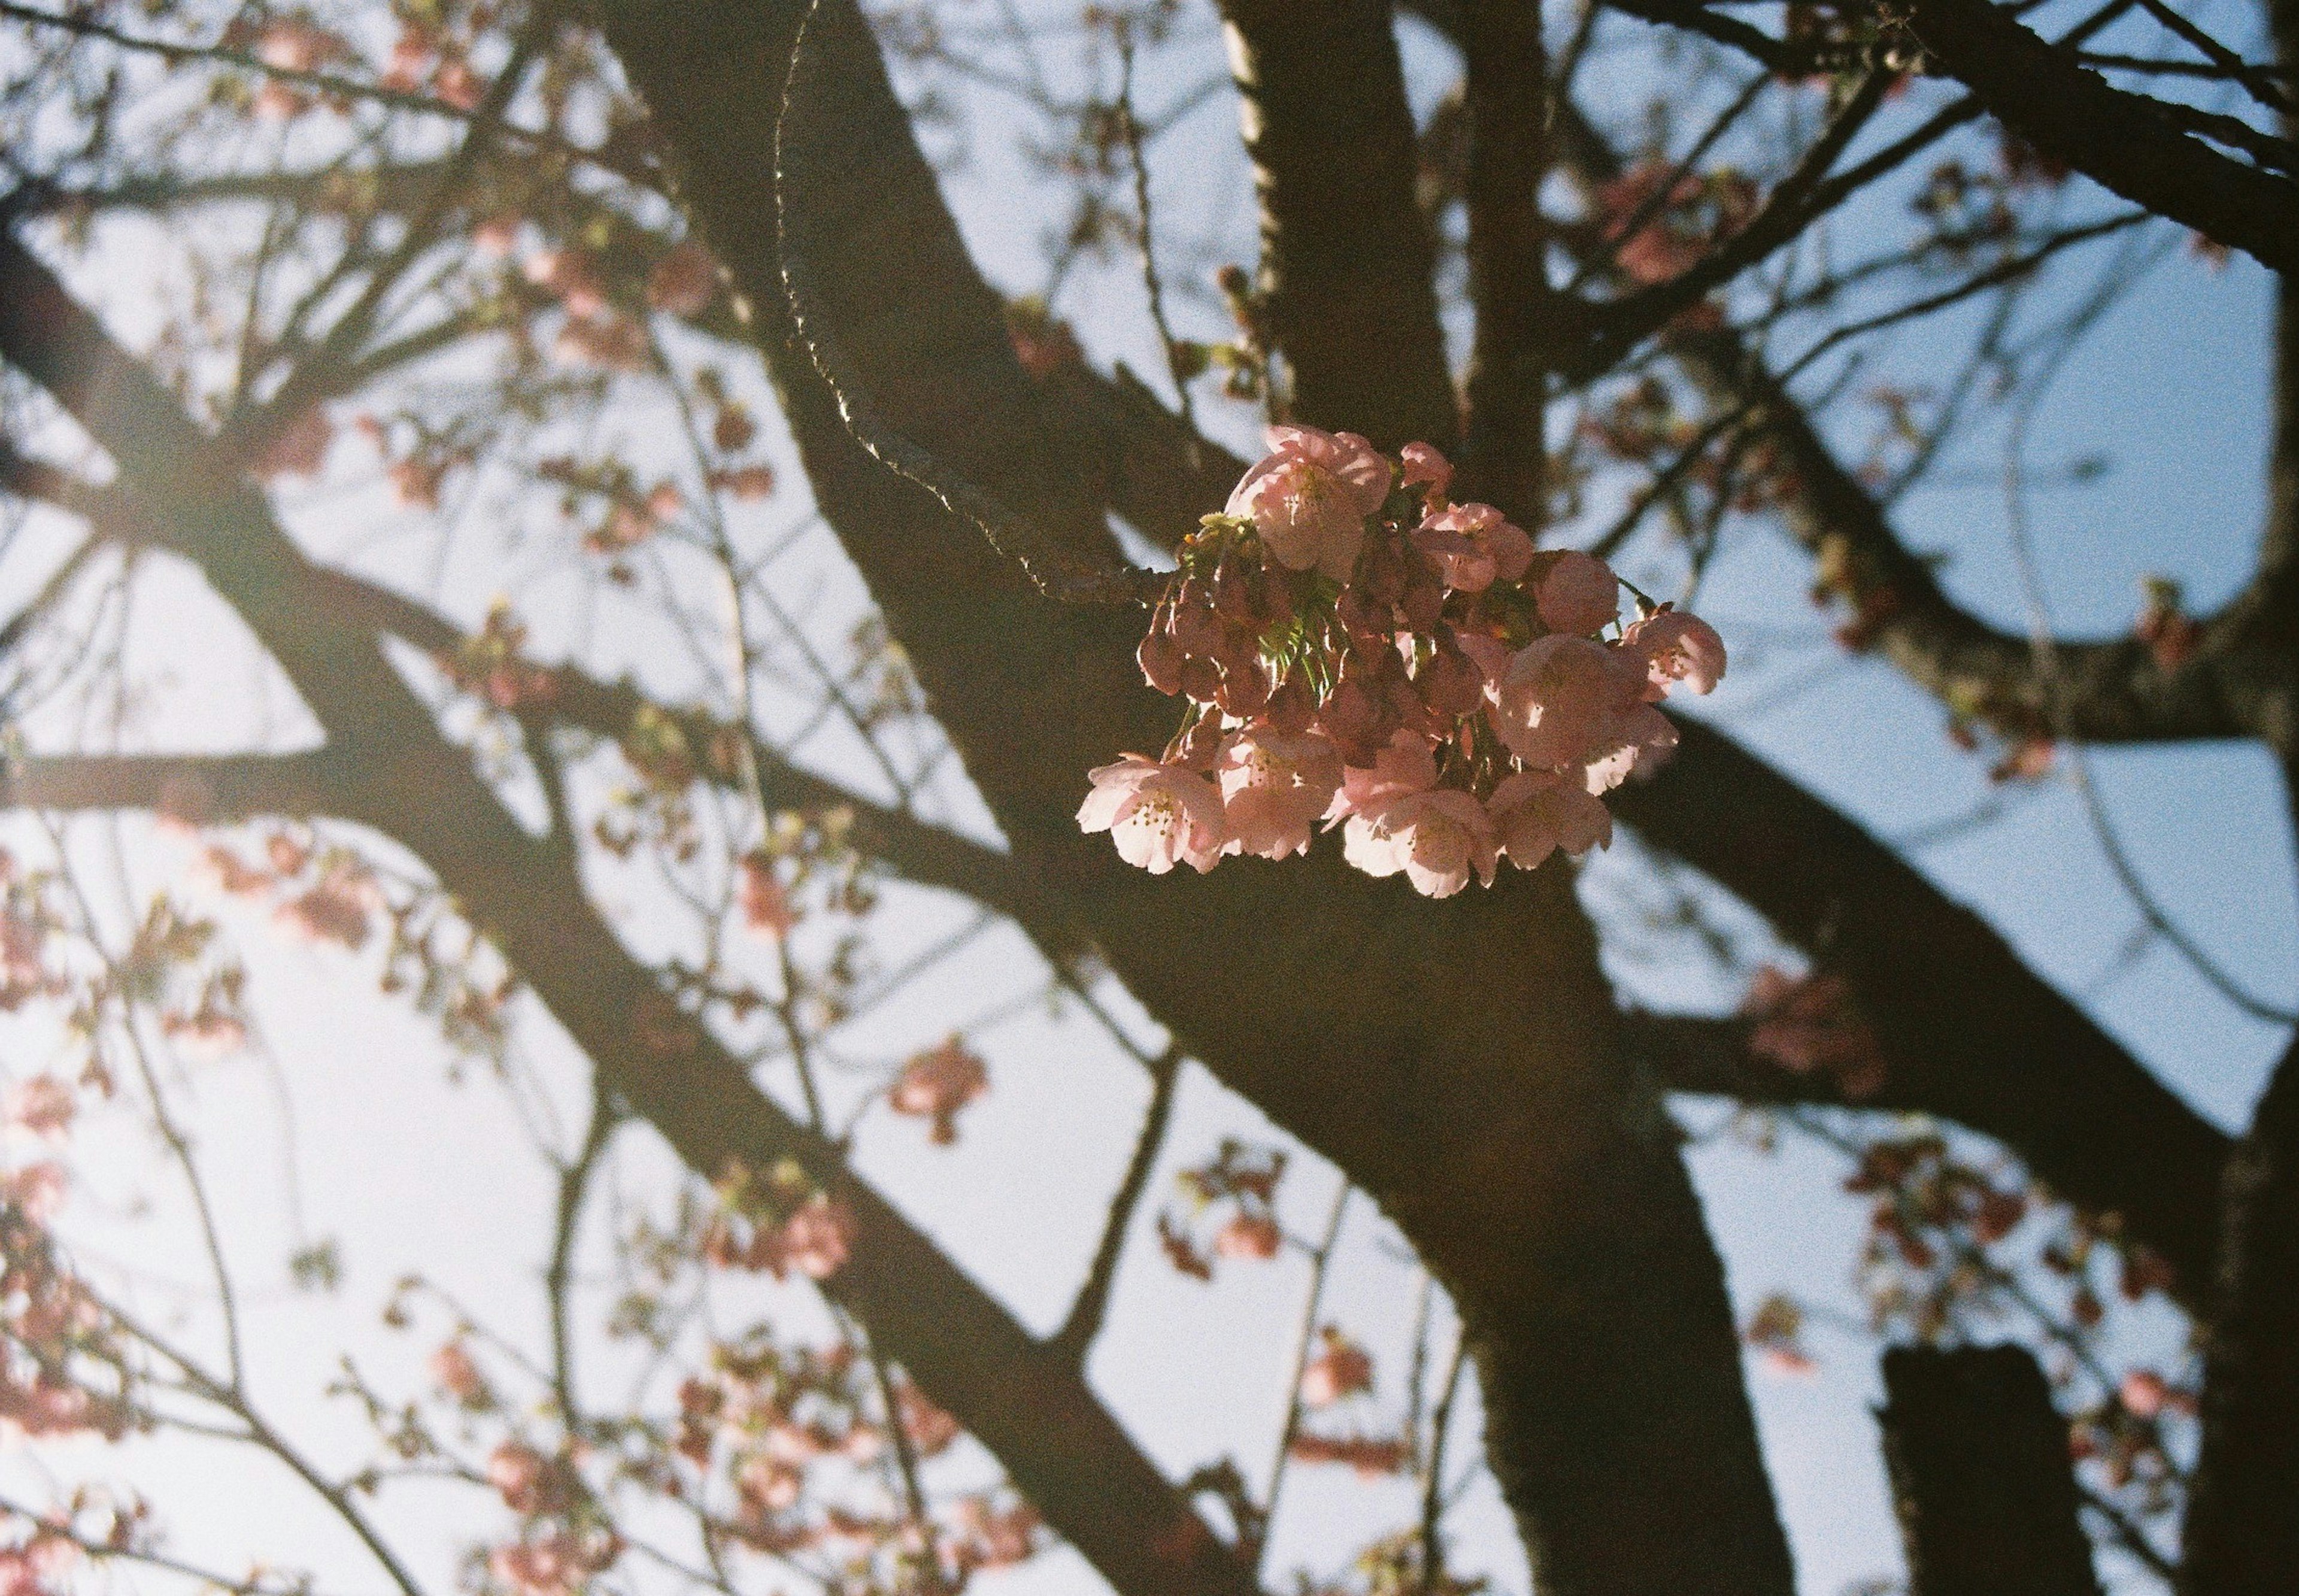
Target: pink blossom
x=32 y=1569
x=773 y=1483
x=1436 y=837
x=36 y=1190
x=1579 y=594
x=524 y=1478
x=937 y=1084
x=1425 y=468
x=457 y=85
x=1637 y=737
x=1678 y=647
x=2145 y=1394
x=1309 y=495
x=1536 y=812
x=929 y=1430
x=336 y=910
x=1473 y=545
x=1341 y=1370
x=1275 y=787
x=816 y=1241
x=1158 y=815
x=455 y=1372
x=206 y=1033
x=43 y=1105
x=1408 y=765
x=1558 y=698
x=995 y=1537
x=496 y=237
x=684 y=281
x=1249 y=1236
x=556 y=1564
x=568 y=274
x=766 y=907
x=296 y=46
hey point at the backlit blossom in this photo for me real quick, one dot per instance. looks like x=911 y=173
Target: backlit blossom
x=816 y=1241
x=1678 y=647
x=1159 y=815
x=1274 y=787
x=929 y=1430
x=1558 y=697
x=568 y=274
x=455 y=1372
x=1421 y=466
x=1248 y=1235
x=524 y=1478
x=1474 y=545
x=1413 y=672
x=994 y=1537
x=1408 y=765
x=684 y=281
x=1580 y=593
x=42 y=1106
x=766 y=907
x=36 y=1190
x=336 y=909
x=1536 y=812
x=557 y=1564
x=1309 y=497
x=35 y=1567
x=1437 y=837
x=1341 y=1369
x=936 y=1084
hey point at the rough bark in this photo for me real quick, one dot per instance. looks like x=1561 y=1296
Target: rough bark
x=1455 y=1059
x=2242 y=1528
x=2122 y=141
x=1344 y=261
x=1980 y=1478
x=1969 y=1032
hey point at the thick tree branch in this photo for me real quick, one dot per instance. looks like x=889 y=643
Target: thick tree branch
x=394 y=771
x=1544 y=1190
x=1503 y=456
x=1969 y=1032
x=928 y=854
x=2122 y=141
x=2242 y=1529
x=1980 y=1478
x=1342 y=255
x=200 y=789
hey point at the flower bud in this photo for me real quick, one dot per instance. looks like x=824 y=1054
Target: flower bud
x=1291 y=708
x=1200 y=678
x=1161 y=659
x=1196 y=628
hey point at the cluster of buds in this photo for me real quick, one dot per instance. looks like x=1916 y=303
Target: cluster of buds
x=1356 y=649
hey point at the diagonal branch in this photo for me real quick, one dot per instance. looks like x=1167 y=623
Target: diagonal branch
x=1970 y=1033
x=394 y=771
x=2124 y=141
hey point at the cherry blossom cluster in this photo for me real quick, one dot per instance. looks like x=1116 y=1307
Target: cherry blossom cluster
x=1357 y=649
